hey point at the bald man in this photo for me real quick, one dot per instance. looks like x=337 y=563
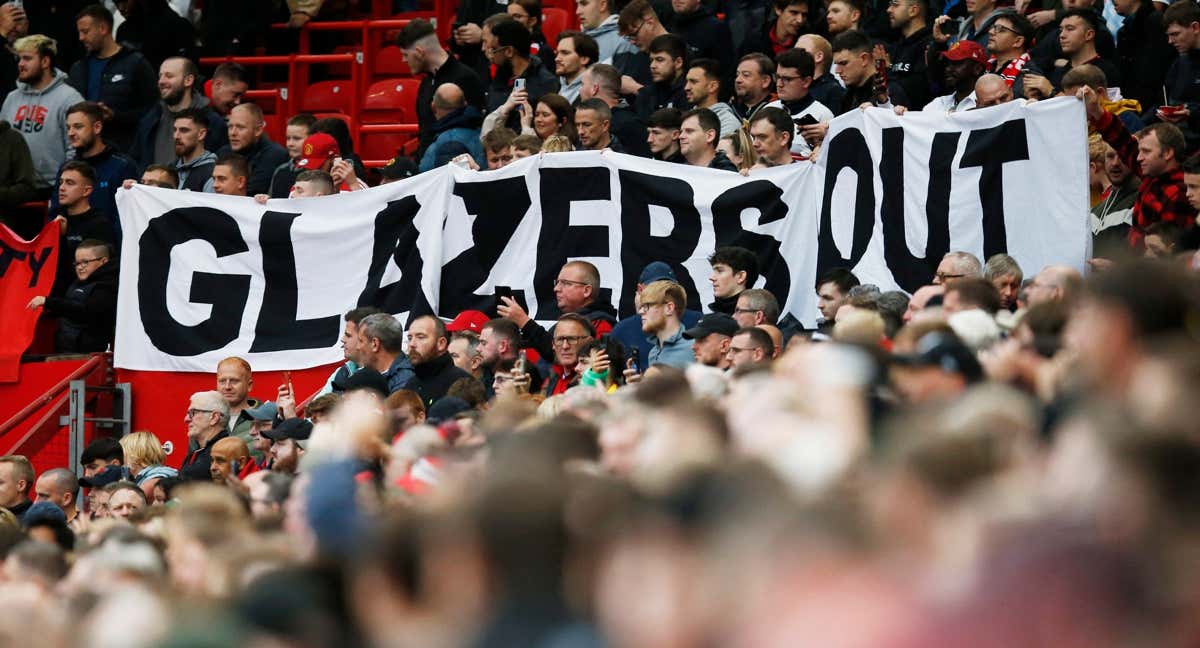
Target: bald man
x=456 y=127
x=991 y=90
x=825 y=87
x=776 y=338
x=1054 y=283
x=248 y=139
x=154 y=141
x=230 y=457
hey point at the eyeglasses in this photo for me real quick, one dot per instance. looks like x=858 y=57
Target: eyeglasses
x=995 y=29
x=84 y=262
x=631 y=35
x=944 y=276
x=570 y=340
x=560 y=283
x=646 y=306
x=192 y=412
x=787 y=79
x=491 y=51
x=746 y=310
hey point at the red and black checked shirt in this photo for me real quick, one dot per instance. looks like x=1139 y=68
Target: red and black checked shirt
x=1161 y=198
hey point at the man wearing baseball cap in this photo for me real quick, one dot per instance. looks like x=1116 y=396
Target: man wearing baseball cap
x=321 y=153
x=939 y=368
x=629 y=330
x=962 y=65
x=711 y=337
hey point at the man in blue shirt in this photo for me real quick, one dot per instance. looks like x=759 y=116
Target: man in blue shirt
x=662 y=304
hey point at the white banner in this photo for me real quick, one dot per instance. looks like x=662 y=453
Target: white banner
x=204 y=277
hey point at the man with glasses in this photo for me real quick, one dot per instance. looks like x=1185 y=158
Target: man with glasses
x=76 y=185
x=506 y=45
x=794 y=70
x=570 y=333
x=207 y=419
x=576 y=291
x=662 y=303
x=756 y=306
x=87 y=312
x=957 y=265
x=749 y=346
x=908 y=68
x=1010 y=38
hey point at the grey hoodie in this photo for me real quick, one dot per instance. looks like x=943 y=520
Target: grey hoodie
x=184 y=169
x=610 y=40
x=41 y=116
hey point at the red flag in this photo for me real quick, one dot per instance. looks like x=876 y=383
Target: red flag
x=26 y=271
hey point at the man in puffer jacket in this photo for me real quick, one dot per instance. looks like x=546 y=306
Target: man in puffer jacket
x=456 y=122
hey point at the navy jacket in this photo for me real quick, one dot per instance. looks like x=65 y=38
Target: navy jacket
x=112 y=169
x=263 y=156
x=128 y=85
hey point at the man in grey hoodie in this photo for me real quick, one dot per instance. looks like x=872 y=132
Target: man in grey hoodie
x=37 y=108
x=599 y=22
x=193 y=163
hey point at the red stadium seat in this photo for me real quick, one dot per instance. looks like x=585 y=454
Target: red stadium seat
x=391 y=101
x=342 y=70
x=554 y=20
x=389 y=62
x=327 y=96
x=276 y=126
x=383 y=146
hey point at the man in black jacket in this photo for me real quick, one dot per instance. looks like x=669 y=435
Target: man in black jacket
x=668 y=60
x=153 y=28
x=603 y=82
x=77 y=180
x=247 y=139
x=853 y=61
x=705 y=35
x=1143 y=53
x=428 y=350
x=154 y=142
x=116 y=76
x=779 y=35
x=424 y=55
x=577 y=291
x=911 y=19
x=87 y=312
x=1183 y=78
x=508 y=49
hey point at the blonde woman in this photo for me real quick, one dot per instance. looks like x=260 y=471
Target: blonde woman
x=557 y=144
x=144 y=457
x=738 y=149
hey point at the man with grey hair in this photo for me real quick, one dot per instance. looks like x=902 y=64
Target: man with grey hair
x=207 y=419
x=381 y=347
x=756 y=306
x=1006 y=275
x=957 y=265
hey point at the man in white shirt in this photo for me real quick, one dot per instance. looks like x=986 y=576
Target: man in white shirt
x=964 y=63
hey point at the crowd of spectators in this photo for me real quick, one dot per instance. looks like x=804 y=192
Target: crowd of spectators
x=1001 y=458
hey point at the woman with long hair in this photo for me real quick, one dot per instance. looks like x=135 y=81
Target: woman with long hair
x=553 y=116
x=738 y=149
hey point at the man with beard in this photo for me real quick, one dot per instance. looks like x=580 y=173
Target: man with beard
x=194 y=163
x=428 y=350
x=499 y=341
x=116 y=76
x=965 y=62
x=154 y=142
x=576 y=52
x=37 y=107
x=86 y=122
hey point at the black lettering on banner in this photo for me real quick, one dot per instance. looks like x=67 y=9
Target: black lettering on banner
x=639 y=247
x=495 y=223
x=558 y=239
x=396 y=238
x=277 y=328
x=989 y=149
x=912 y=272
x=847 y=150
x=767 y=198
x=226 y=293
x=36 y=263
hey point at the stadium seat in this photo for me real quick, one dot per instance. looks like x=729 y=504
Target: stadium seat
x=327 y=96
x=383 y=146
x=342 y=70
x=276 y=126
x=554 y=20
x=391 y=101
x=389 y=62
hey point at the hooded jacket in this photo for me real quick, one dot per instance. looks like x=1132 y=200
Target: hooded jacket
x=41 y=117
x=87 y=312
x=128 y=85
x=460 y=126
x=147 y=130
x=657 y=95
x=610 y=40
x=112 y=169
x=197 y=174
x=435 y=376
x=18 y=178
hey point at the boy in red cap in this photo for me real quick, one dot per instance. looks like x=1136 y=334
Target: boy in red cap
x=321 y=153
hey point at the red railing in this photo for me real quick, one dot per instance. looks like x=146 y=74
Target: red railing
x=93 y=363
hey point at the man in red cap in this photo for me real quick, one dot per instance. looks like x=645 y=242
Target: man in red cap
x=321 y=153
x=963 y=64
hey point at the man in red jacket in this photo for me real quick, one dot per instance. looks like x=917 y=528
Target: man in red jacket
x=1155 y=157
